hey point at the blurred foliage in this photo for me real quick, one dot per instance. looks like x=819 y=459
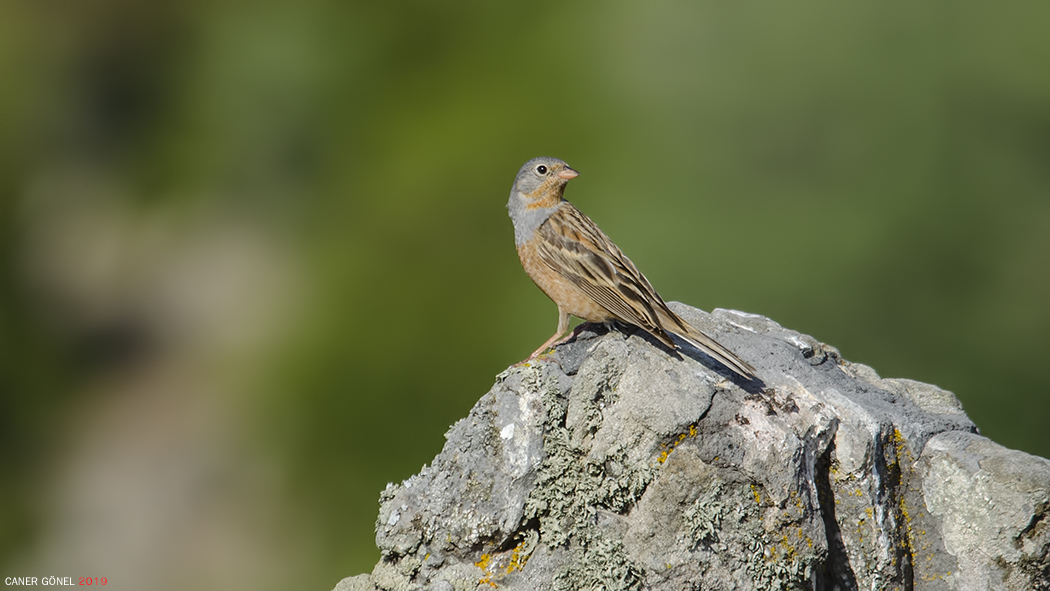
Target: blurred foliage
x=877 y=176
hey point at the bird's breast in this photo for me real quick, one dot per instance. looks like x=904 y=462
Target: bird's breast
x=559 y=289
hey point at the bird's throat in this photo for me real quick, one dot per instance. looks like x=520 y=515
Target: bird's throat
x=546 y=195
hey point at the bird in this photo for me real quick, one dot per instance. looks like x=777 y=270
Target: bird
x=582 y=271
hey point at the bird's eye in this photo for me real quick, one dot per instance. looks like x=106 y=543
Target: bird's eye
x=541 y=169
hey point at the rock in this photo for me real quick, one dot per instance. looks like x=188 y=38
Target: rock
x=358 y=583
x=615 y=463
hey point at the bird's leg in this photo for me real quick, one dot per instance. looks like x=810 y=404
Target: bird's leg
x=572 y=335
x=563 y=325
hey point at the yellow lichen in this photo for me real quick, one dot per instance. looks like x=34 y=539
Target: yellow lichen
x=517 y=558
x=788 y=548
x=483 y=564
x=673 y=444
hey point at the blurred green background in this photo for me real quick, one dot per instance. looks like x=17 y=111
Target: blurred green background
x=254 y=259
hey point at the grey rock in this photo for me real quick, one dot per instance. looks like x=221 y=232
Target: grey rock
x=615 y=463
x=358 y=583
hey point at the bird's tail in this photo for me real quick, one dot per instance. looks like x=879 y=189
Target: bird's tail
x=700 y=340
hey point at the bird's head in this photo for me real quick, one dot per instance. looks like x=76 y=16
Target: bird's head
x=541 y=181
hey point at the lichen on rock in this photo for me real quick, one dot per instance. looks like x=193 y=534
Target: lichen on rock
x=615 y=463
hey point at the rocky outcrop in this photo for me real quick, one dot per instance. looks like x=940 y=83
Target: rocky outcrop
x=615 y=463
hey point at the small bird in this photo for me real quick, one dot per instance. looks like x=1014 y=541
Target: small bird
x=583 y=272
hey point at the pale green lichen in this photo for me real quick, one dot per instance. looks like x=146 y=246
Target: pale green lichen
x=571 y=488
x=569 y=491
x=704 y=517
x=598 y=563
x=727 y=529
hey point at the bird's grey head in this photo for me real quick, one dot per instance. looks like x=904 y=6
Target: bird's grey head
x=537 y=192
x=543 y=172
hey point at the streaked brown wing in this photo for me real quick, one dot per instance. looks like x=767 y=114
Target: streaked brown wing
x=574 y=247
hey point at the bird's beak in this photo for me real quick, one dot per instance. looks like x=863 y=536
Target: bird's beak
x=568 y=173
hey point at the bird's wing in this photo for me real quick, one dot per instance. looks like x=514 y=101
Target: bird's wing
x=575 y=248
